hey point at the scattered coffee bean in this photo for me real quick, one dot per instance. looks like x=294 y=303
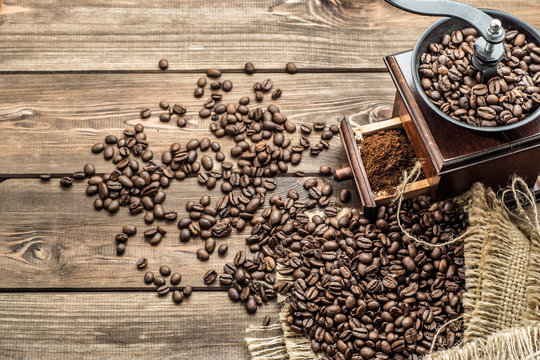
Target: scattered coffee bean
x=291 y=68
x=210 y=277
x=325 y=170
x=177 y=296
x=164 y=270
x=66 y=181
x=222 y=250
x=149 y=277
x=141 y=263
x=163 y=64
x=266 y=320
x=175 y=279
x=213 y=73
x=344 y=195
x=249 y=68
x=145 y=113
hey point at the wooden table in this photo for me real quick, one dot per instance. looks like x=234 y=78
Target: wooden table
x=74 y=71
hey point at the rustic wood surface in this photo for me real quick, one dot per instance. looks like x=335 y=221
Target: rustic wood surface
x=124 y=325
x=72 y=72
x=50 y=121
x=327 y=35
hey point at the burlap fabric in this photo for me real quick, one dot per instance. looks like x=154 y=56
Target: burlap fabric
x=502 y=302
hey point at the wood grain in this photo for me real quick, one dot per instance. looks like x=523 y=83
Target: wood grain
x=52 y=238
x=50 y=121
x=40 y=35
x=124 y=325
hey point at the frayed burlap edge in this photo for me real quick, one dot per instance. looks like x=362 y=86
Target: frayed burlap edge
x=278 y=340
x=516 y=343
x=501 y=278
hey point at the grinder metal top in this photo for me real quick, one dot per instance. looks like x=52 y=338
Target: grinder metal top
x=488 y=49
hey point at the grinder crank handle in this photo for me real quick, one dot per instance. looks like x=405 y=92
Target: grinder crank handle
x=490 y=29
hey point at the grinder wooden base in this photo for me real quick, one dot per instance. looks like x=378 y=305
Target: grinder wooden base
x=453 y=157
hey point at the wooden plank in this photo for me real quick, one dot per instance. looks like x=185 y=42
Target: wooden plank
x=52 y=238
x=50 y=121
x=125 y=325
x=41 y=35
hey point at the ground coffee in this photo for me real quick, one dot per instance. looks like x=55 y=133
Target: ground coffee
x=386 y=154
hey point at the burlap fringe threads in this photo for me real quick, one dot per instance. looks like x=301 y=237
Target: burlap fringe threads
x=278 y=340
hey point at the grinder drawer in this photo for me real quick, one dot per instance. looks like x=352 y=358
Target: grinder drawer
x=357 y=171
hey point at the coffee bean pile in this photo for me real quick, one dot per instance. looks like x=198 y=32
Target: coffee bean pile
x=453 y=84
x=364 y=290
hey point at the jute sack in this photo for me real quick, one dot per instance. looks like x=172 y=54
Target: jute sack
x=502 y=302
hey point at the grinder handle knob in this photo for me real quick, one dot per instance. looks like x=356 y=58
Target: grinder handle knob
x=489 y=28
x=343 y=174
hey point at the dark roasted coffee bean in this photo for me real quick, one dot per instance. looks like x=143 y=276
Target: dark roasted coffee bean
x=120 y=248
x=249 y=68
x=213 y=73
x=145 y=113
x=325 y=170
x=164 y=105
x=149 y=277
x=164 y=270
x=178 y=296
x=163 y=290
x=202 y=255
x=209 y=277
x=163 y=64
x=175 y=279
x=222 y=249
x=291 y=68
x=89 y=169
x=227 y=85
x=141 y=263
x=165 y=117
x=187 y=291
x=66 y=181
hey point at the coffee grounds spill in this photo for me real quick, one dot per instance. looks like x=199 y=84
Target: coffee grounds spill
x=386 y=154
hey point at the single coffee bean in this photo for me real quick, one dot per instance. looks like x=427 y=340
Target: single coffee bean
x=227 y=85
x=129 y=229
x=213 y=73
x=210 y=277
x=266 y=320
x=177 y=296
x=175 y=279
x=325 y=170
x=187 y=291
x=163 y=64
x=164 y=270
x=89 y=169
x=163 y=290
x=164 y=105
x=145 y=113
x=141 y=263
x=120 y=248
x=202 y=255
x=291 y=68
x=251 y=306
x=222 y=250
x=149 y=277
x=344 y=195
x=249 y=68
x=66 y=181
